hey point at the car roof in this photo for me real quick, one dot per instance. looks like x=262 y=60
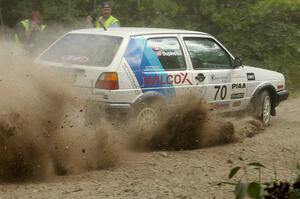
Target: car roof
x=130 y=31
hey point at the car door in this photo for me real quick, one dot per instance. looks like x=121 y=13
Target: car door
x=163 y=66
x=218 y=82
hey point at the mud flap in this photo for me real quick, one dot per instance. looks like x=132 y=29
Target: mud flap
x=273 y=112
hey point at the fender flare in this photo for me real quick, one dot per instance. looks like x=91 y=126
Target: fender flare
x=149 y=96
x=273 y=94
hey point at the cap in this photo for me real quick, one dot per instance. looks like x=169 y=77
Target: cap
x=105 y=5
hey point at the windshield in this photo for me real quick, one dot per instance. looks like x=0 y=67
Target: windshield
x=83 y=49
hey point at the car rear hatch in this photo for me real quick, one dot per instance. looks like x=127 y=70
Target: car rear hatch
x=82 y=58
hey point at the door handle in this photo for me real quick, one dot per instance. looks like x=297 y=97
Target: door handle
x=200 y=77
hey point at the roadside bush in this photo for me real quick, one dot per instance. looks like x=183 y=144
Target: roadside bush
x=244 y=187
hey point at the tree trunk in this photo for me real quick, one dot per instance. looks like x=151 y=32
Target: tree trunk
x=95 y=6
x=1 y=19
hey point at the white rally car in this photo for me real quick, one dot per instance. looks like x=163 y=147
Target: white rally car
x=128 y=69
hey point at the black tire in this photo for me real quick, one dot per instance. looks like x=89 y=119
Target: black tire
x=265 y=107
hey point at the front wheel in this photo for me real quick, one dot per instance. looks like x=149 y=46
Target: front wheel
x=266 y=107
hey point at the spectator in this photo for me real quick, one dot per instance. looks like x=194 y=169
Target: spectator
x=106 y=19
x=29 y=30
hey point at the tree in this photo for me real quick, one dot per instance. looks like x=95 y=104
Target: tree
x=262 y=32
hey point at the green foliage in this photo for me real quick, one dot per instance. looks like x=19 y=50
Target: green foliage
x=256 y=164
x=244 y=188
x=265 y=33
x=233 y=172
x=254 y=190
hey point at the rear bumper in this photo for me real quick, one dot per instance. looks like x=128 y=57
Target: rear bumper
x=112 y=112
x=282 y=96
x=110 y=108
x=116 y=108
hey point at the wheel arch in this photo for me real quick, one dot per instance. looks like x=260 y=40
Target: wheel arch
x=150 y=97
x=273 y=95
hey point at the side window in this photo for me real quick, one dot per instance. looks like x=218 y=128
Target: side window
x=167 y=52
x=205 y=53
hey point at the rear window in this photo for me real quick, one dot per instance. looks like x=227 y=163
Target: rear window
x=83 y=49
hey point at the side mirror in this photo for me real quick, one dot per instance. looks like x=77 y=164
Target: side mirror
x=237 y=62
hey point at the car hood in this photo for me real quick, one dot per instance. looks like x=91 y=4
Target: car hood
x=264 y=74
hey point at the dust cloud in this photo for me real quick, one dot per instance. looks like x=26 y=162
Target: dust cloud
x=42 y=127
x=182 y=127
x=190 y=124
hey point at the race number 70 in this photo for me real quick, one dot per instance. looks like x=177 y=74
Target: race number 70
x=222 y=91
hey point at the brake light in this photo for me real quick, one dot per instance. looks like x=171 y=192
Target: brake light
x=108 y=81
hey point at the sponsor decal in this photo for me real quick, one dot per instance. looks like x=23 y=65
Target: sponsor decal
x=157 y=51
x=157 y=79
x=152 y=68
x=131 y=78
x=237 y=103
x=219 y=78
x=75 y=59
x=237 y=95
x=238 y=76
x=239 y=86
x=218 y=105
x=141 y=58
x=166 y=53
x=200 y=77
x=251 y=76
x=169 y=54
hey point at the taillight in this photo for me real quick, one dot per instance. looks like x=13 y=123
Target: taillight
x=108 y=81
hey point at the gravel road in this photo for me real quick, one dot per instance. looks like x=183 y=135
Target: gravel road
x=181 y=174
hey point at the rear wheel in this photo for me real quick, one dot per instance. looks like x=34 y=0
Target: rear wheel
x=145 y=120
x=148 y=113
x=147 y=116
